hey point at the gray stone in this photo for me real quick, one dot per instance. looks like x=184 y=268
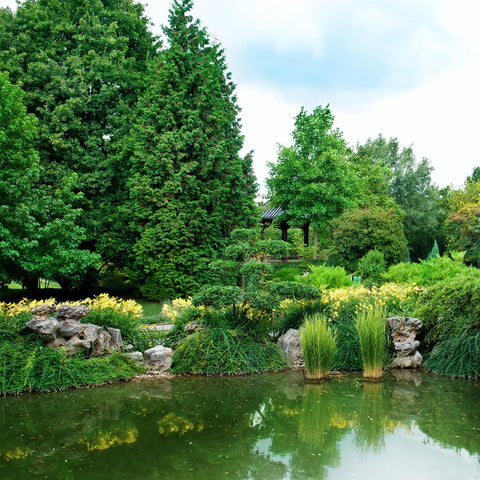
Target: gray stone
x=193 y=327
x=45 y=328
x=406 y=348
x=410 y=361
x=103 y=344
x=404 y=329
x=43 y=311
x=290 y=344
x=158 y=358
x=135 y=357
x=68 y=329
x=116 y=338
x=72 y=312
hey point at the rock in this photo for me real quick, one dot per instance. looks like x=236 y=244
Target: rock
x=410 y=361
x=404 y=331
x=68 y=329
x=45 y=328
x=406 y=348
x=43 y=311
x=72 y=312
x=193 y=327
x=158 y=358
x=116 y=338
x=290 y=344
x=135 y=357
x=103 y=344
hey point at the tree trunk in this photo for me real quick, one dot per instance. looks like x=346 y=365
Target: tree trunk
x=315 y=243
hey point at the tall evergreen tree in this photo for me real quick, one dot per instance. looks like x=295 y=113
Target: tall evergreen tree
x=82 y=65
x=189 y=185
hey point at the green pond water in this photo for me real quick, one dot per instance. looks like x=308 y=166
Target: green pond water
x=270 y=426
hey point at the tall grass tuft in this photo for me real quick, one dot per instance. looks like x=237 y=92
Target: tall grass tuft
x=318 y=341
x=370 y=325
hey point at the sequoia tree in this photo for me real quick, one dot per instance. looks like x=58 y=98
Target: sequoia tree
x=81 y=64
x=189 y=185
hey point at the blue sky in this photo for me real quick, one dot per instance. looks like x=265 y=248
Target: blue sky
x=404 y=68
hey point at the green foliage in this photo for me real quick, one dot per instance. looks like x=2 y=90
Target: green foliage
x=371 y=267
x=451 y=306
x=310 y=180
x=38 y=230
x=325 y=277
x=27 y=366
x=285 y=274
x=220 y=350
x=218 y=295
x=457 y=356
x=82 y=65
x=12 y=325
x=296 y=290
x=411 y=187
x=293 y=314
x=318 y=341
x=370 y=325
x=127 y=323
x=189 y=186
x=427 y=272
x=358 y=231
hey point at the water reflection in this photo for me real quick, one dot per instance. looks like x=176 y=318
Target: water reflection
x=259 y=427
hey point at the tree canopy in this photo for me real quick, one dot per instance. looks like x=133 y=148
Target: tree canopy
x=189 y=185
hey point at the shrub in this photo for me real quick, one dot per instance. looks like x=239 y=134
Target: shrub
x=294 y=290
x=457 y=356
x=325 y=278
x=220 y=350
x=286 y=274
x=291 y=313
x=451 y=306
x=318 y=341
x=371 y=267
x=370 y=326
x=427 y=272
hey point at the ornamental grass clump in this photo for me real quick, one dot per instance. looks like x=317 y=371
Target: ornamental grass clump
x=370 y=325
x=319 y=345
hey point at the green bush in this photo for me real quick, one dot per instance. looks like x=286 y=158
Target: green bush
x=220 y=350
x=427 y=272
x=318 y=341
x=28 y=366
x=293 y=315
x=451 y=306
x=325 y=278
x=286 y=274
x=457 y=356
x=371 y=267
x=294 y=290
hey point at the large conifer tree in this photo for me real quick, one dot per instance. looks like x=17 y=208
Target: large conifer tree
x=189 y=185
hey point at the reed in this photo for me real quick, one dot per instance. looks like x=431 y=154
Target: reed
x=370 y=325
x=319 y=344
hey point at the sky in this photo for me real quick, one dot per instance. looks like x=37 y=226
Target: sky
x=408 y=69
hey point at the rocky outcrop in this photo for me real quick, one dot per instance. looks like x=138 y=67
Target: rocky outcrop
x=290 y=344
x=158 y=358
x=68 y=332
x=404 y=331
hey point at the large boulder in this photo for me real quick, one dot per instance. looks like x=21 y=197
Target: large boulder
x=404 y=331
x=289 y=342
x=158 y=358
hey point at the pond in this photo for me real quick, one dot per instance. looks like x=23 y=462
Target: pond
x=267 y=427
